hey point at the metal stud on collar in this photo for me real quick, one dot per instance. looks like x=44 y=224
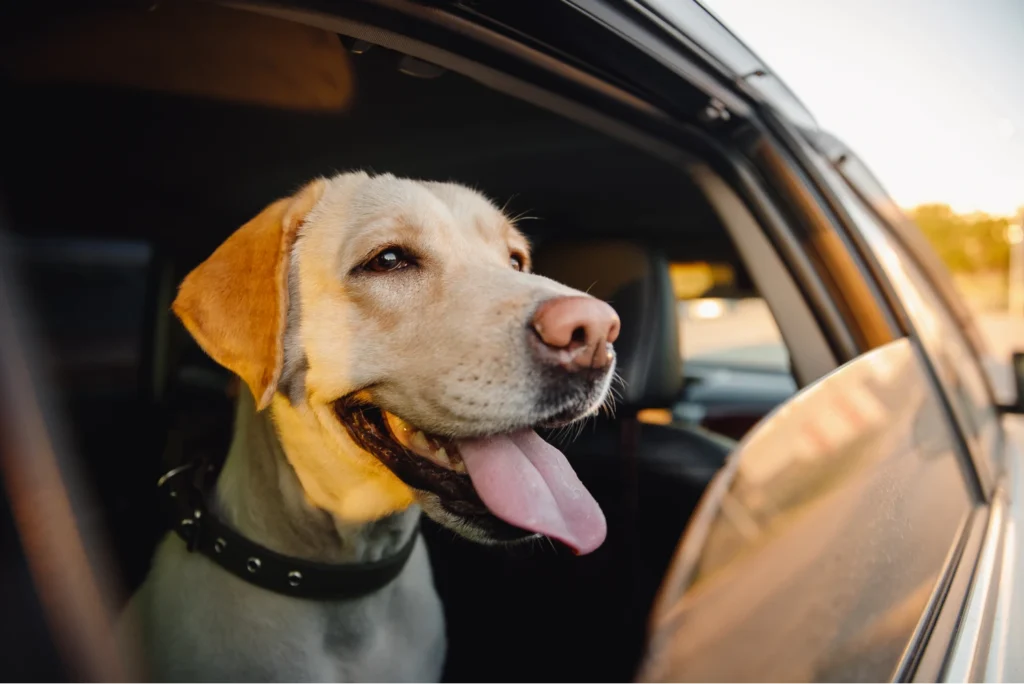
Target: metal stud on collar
x=201 y=531
x=190 y=533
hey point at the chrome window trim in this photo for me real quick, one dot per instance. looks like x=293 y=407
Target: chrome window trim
x=968 y=655
x=986 y=643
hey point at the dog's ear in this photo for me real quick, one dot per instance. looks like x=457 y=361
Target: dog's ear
x=235 y=303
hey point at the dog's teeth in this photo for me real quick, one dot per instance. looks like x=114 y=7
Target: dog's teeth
x=419 y=442
x=423 y=445
x=398 y=426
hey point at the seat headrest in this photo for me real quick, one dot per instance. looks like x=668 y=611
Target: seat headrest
x=635 y=280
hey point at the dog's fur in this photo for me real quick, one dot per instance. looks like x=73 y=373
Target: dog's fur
x=286 y=304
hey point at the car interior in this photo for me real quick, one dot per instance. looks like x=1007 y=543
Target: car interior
x=130 y=184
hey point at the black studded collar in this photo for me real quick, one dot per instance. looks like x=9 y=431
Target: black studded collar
x=185 y=489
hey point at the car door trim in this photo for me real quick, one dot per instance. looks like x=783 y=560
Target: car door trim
x=967 y=658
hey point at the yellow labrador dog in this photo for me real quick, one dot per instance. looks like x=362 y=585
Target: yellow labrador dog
x=398 y=354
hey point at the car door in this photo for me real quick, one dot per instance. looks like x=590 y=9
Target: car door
x=822 y=549
x=980 y=617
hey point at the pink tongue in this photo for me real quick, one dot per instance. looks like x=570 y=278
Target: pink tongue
x=528 y=483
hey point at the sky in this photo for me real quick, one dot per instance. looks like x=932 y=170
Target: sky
x=929 y=93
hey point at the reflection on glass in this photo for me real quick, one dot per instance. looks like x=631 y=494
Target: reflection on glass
x=817 y=547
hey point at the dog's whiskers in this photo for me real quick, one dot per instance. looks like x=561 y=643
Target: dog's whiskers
x=504 y=207
x=522 y=216
x=579 y=428
x=561 y=435
x=615 y=390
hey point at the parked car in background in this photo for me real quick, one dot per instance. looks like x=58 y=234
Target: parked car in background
x=808 y=476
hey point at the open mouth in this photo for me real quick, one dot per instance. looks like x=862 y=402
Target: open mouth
x=509 y=486
x=442 y=453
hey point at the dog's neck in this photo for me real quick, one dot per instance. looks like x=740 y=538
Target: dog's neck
x=260 y=495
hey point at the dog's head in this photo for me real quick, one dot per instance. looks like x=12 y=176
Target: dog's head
x=407 y=353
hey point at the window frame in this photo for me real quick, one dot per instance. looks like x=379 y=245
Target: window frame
x=907 y=241
x=862 y=182
x=935 y=647
x=983 y=453
x=933 y=274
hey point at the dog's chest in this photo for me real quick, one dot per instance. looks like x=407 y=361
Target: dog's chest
x=397 y=636
x=223 y=629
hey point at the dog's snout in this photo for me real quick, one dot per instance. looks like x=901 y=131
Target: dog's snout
x=575 y=332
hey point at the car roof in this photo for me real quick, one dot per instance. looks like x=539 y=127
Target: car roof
x=702 y=29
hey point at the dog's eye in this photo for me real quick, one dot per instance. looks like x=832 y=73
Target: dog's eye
x=517 y=262
x=391 y=259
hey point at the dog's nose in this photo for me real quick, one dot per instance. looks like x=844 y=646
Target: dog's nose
x=575 y=332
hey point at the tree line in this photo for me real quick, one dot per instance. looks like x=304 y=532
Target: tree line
x=967 y=243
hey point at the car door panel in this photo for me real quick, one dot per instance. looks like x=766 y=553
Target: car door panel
x=816 y=552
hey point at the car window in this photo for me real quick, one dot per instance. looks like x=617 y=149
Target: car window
x=724 y=328
x=958 y=368
x=731 y=333
x=851 y=173
x=735 y=363
x=816 y=553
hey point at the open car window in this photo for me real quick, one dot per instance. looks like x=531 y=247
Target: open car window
x=736 y=364
x=724 y=326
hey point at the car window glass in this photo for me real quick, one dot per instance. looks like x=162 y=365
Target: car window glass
x=958 y=368
x=816 y=553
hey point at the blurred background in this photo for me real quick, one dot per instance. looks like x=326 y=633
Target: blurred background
x=941 y=123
